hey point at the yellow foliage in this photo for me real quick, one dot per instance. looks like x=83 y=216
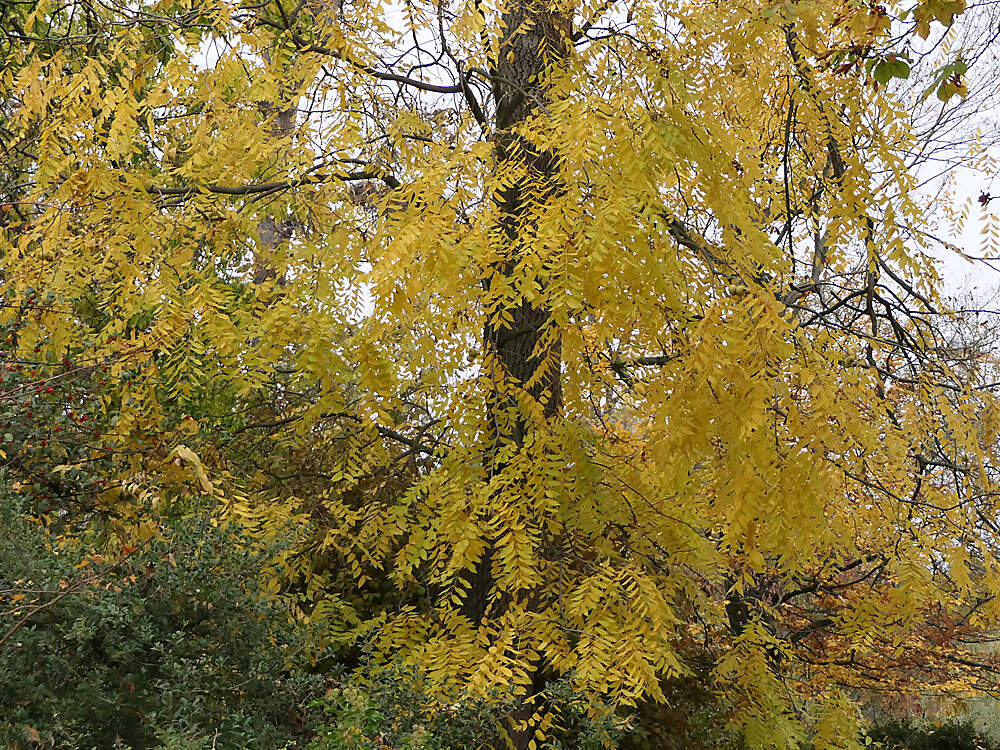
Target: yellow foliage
x=756 y=428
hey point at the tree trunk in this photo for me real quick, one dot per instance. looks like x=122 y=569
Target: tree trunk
x=537 y=39
x=525 y=355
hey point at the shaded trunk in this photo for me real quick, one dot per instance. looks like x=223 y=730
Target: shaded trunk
x=521 y=348
x=537 y=39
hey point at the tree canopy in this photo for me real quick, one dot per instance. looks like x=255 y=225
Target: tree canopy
x=592 y=341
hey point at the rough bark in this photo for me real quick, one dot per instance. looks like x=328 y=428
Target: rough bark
x=525 y=354
x=538 y=38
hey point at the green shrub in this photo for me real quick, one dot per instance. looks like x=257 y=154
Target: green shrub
x=176 y=647
x=907 y=734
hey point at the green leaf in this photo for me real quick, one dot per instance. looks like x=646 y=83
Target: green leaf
x=946 y=91
x=882 y=72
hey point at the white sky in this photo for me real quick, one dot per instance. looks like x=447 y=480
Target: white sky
x=960 y=274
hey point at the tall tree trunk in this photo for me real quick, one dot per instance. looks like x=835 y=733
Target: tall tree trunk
x=524 y=354
x=537 y=39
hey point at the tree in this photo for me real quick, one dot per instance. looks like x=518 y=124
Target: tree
x=595 y=334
